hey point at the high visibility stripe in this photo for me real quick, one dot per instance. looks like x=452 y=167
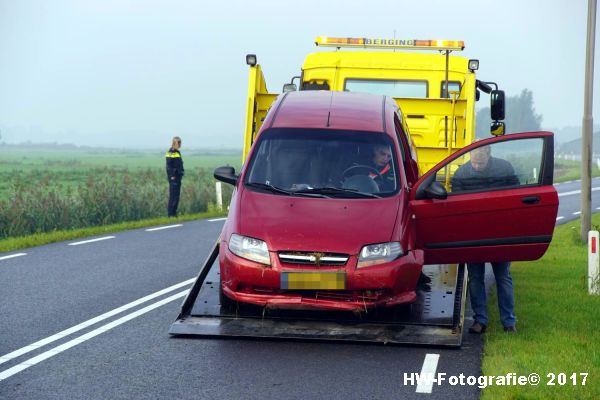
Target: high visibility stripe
x=173 y=155
x=383 y=171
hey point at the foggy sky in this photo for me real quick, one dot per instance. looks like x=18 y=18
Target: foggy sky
x=134 y=73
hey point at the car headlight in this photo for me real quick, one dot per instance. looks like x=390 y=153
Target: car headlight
x=379 y=253
x=250 y=249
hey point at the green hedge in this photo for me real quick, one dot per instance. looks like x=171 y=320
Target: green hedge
x=106 y=196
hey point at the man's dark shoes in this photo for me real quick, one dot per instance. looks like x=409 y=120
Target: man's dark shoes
x=510 y=329
x=424 y=279
x=477 y=328
x=424 y=283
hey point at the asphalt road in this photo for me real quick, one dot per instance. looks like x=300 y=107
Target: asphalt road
x=570 y=200
x=127 y=353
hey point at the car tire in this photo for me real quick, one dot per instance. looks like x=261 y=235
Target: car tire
x=227 y=304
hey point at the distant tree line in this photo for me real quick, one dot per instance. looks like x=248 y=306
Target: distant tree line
x=520 y=116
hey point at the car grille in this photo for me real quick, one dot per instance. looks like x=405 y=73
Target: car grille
x=313 y=258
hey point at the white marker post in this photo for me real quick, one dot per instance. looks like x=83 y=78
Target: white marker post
x=219 y=196
x=593 y=259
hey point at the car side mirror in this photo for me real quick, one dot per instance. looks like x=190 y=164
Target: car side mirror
x=436 y=190
x=226 y=174
x=289 y=87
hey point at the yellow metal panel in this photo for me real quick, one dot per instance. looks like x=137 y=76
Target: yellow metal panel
x=438 y=126
x=385 y=61
x=257 y=105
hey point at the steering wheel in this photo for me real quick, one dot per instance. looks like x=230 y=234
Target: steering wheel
x=346 y=174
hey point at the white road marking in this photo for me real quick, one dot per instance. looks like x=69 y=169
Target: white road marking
x=559 y=218
x=428 y=371
x=91 y=240
x=163 y=227
x=577 y=213
x=90 y=322
x=569 y=193
x=217 y=219
x=575 y=181
x=597 y=208
x=572 y=192
x=13 y=256
x=78 y=340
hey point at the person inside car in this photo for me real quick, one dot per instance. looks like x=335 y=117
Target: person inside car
x=383 y=171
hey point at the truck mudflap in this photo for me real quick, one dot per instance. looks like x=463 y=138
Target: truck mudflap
x=436 y=318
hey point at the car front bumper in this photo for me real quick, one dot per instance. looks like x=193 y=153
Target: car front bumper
x=382 y=285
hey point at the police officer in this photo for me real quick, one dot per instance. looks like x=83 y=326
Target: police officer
x=174 y=174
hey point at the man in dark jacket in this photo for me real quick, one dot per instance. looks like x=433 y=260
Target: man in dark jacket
x=174 y=174
x=484 y=172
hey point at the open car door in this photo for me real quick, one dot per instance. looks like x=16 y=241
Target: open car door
x=491 y=201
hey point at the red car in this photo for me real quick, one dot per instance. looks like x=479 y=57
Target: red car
x=329 y=210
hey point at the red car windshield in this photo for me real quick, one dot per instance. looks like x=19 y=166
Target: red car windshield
x=323 y=162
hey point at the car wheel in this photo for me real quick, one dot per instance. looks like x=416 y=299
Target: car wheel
x=227 y=304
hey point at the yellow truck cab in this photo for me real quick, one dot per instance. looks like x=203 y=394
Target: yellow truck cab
x=436 y=92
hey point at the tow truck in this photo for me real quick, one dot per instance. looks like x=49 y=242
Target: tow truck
x=433 y=123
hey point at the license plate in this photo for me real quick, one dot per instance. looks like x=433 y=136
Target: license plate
x=313 y=280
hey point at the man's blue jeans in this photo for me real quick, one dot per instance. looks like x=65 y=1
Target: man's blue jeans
x=504 y=286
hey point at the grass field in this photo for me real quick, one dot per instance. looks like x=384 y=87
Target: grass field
x=66 y=168
x=30 y=156
x=558 y=325
x=62 y=188
x=568 y=170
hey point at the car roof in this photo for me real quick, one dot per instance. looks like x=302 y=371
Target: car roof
x=331 y=110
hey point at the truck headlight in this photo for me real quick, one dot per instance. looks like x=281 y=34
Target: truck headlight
x=250 y=249
x=379 y=253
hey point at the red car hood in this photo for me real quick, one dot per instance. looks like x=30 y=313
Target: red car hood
x=316 y=224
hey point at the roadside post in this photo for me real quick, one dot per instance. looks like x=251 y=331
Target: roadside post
x=588 y=123
x=219 y=196
x=593 y=260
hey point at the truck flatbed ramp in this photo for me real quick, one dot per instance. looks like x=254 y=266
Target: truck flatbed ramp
x=436 y=318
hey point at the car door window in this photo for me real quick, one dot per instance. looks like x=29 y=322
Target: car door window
x=501 y=165
x=502 y=210
x=399 y=135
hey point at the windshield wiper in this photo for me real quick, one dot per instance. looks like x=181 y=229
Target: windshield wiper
x=336 y=190
x=275 y=189
x=268 y=187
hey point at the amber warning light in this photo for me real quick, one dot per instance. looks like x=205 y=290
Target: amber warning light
x=378 y=43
